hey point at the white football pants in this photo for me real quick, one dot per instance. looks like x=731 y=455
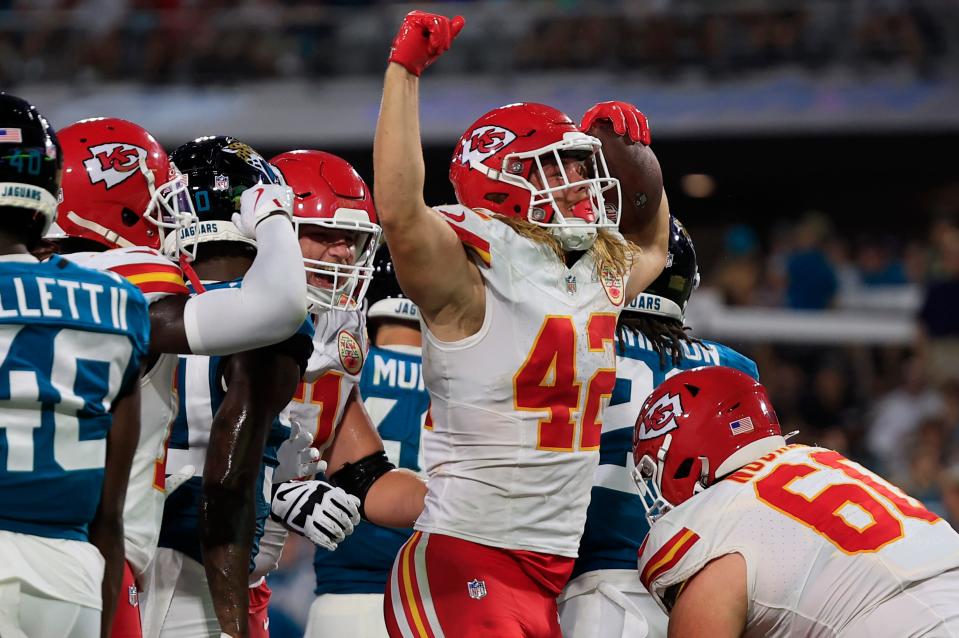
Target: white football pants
x=353 y=615
x=24 y=615
x=175 y=599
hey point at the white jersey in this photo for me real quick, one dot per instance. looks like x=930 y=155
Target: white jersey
x=332 y=372
x=830 y=548
x=156 y=276
x=339 y=350
x=517 y=408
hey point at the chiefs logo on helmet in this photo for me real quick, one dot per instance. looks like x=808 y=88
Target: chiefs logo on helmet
x=113 y=162
x=484 y=142
x=660 y=417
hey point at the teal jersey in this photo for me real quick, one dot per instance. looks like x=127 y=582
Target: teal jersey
x=200 y=392
x=71 y=340
x=616 y=521
x=392 y=389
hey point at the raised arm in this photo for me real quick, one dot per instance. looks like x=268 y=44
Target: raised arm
x=431 y=264
x=625 y=133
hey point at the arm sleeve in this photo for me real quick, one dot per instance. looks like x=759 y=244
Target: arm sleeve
x=268 y=307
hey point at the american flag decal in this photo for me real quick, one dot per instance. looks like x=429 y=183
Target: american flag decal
x=741 y=426
x=10 y=135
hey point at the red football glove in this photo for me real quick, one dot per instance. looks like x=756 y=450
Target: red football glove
x=422 y=38
x=625 y=118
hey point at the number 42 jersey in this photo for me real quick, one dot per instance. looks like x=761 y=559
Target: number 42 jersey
x=831 y=549
x=517 y=407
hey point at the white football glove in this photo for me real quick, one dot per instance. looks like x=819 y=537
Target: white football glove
x=177 y=479
x=315 y=510
x=267 y=559
x=297 y=457
x=259 y=202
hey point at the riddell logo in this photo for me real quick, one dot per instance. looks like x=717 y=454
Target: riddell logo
x=113 y=162
x=484 y=142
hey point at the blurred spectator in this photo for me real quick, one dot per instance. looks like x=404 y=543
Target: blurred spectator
x=739 y=270
x=811 y=281
x=897 y=416
x=939 y=315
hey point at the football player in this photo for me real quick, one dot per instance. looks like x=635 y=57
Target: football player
x=350 y=581
x=71 y=344
x=519 y=288
x=753 y=537
x=121 y=198
x=336 y=222
x=226 y=426
x=604 y=599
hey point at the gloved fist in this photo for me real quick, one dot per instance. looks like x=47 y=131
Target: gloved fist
x=422 y=38
x=625 y=118
x=315 y=510
x=297 y=457
x=259 y=202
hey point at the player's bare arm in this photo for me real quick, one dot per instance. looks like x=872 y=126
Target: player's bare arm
x=644 y=220
x=106 y=529
x=713 y=603
x=652 y=259
x=421 y=242
x=392 y=499
x=260 y=383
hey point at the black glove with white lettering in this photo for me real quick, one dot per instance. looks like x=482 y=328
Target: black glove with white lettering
x=315 y=510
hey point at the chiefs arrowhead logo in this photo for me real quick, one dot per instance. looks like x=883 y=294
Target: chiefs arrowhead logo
x=484 y=142
x=113 y=162
x=660 y=417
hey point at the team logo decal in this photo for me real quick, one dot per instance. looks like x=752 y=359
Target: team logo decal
x=113 y=162
x=660 y=417
x=476 y=589
x=484 y=142
x=351 y=354
x=571 y=284
x=251 y=157
x=132 y=597
x=612 y=284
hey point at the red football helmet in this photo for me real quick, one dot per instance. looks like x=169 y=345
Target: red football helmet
x=119 y=188
x=494 y=161
x=695 y=428
x=328 y=192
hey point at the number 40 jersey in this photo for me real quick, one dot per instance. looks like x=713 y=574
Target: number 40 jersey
x=831 y=549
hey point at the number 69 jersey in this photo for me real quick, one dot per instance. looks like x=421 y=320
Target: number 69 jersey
x=516 y=408
x=830 y=549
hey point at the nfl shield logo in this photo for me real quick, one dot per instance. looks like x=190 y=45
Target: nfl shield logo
x=571 y=284
x=221 y=182
x=132 y=597
x=477 y=589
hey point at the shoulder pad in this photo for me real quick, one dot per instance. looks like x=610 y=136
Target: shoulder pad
x=471 y=226
x=154 y=274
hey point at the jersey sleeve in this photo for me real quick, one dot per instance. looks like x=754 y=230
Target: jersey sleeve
x=670 y=555
x=472 y=227
x=155 y=275
x=733 y=359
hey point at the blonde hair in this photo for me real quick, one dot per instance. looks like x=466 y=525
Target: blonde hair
x=608 y=250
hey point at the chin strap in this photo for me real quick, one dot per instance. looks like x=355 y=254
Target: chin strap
x=187 y=269
x=100 y=230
